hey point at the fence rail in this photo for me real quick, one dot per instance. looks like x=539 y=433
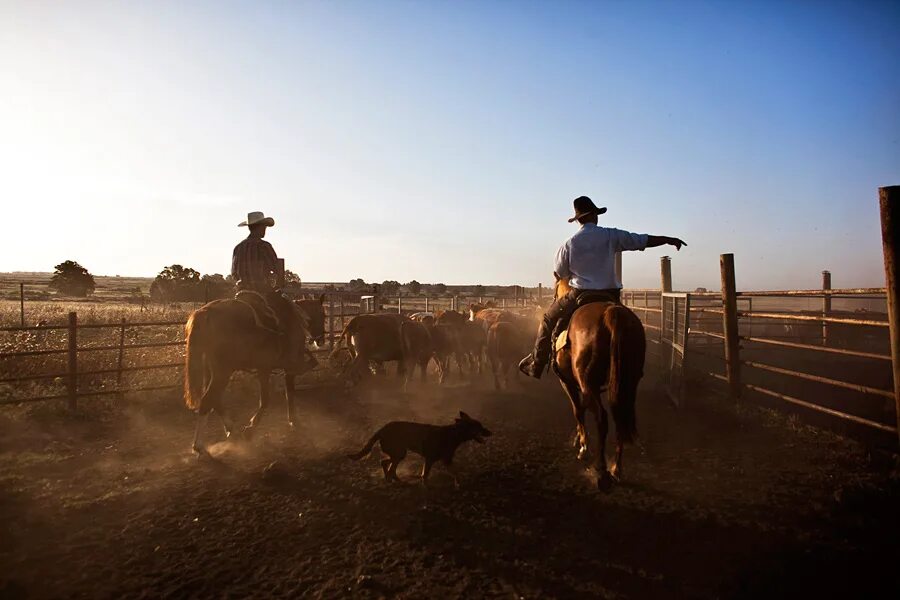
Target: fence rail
x=749 y=332
x=340 y=307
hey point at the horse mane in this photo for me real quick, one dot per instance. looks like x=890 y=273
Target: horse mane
x=562 y=287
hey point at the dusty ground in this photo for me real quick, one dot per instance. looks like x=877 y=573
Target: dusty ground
x=716 y=502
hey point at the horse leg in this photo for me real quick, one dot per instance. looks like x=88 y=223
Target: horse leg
x=290 y=382
x=263 y=377
x=574 y=395
x=602 y=418
x=616 y=470
x=211 y=398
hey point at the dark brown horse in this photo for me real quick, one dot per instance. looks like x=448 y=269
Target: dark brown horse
x=605 y=350
x=225 y=336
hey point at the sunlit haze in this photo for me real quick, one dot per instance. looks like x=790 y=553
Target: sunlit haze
x=444 y=142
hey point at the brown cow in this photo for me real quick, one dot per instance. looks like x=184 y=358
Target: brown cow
x=372 y=338
x=506 y=342
x=417 y=348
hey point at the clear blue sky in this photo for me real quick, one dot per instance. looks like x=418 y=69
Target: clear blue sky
x=445 y=141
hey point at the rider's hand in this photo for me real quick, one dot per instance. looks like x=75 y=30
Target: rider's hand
x=677 y=243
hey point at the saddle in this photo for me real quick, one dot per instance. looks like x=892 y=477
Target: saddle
x=263 y=314
x=561 y=331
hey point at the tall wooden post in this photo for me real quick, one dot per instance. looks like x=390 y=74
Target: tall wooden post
x=889 y=201
x=541 y=291
x=121 y=353
x=331 y=321
x=426 y=304
x=826 y=304
x=665 y=274
x=399 y=303
x=279 y=274
x=341 y=299
x=72 y=371
x=618 y=267
x=22 y=303
x=730 y=326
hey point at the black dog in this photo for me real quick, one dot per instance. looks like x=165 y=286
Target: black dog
x=433 y=442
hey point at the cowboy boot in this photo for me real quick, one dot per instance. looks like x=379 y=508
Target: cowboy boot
x=532 y=366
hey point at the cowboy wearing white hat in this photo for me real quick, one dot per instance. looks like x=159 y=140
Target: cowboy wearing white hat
x=254 y=262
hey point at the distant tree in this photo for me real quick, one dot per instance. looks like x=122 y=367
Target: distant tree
x=291 y=277
x=358 y=285
x=215 y=286
x=390 y=287
x=414 y=287
x=177 y=284
x=479 y=290
x=71 y=279
x=439 y=288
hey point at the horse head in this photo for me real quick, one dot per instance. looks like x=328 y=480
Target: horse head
x=562 y=287
x=313 y=310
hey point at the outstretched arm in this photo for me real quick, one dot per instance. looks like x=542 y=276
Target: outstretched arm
x=661 y=240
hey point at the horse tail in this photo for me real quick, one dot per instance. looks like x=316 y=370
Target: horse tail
x=340 y=340
x=194 y=331
x=626 y=367
x=367 y=449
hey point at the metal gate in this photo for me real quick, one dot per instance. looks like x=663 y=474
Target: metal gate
x=676 y=310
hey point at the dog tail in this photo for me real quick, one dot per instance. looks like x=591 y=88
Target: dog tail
x=367 y=450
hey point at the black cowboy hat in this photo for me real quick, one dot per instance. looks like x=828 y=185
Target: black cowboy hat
x=584 y=206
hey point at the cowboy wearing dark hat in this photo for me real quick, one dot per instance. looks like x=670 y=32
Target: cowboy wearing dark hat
x=254 y=262
x=587 y=259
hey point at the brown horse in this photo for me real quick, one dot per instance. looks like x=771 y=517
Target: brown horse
x=605 y=350
x=225 y=336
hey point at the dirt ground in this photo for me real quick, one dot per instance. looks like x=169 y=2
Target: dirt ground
x=717 y=501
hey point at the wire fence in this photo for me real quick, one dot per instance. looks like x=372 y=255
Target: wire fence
x=75 y=355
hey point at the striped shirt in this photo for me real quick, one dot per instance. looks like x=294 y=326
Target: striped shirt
x=254 y=262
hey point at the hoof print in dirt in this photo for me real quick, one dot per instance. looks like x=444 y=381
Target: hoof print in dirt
x=605 y=482
x=275 y=472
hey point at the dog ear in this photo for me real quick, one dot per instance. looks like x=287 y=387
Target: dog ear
x=464 y=416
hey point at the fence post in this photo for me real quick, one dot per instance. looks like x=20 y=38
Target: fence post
x=541 y=292
x=342 y=311
x=826 y=304
x=72 y=372
x=665 y=272
x=22 y=303
x=618 y=268
x=426 y=304
x=399 y=303
x=331 y=321
x=121 y=353
x=730 y=326
x=889 y=201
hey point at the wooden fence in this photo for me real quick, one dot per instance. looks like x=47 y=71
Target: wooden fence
x=340 y=307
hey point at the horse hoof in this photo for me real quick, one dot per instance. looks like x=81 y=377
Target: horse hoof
x=582 y=453
x=605 y=482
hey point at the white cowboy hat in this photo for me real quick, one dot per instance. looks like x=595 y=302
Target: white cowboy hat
x=255 y=218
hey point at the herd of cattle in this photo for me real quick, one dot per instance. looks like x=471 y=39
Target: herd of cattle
x=499 y=337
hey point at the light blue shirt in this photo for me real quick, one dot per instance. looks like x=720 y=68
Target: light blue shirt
x=588 y=258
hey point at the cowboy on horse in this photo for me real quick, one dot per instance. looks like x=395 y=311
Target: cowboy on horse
x=587 y=260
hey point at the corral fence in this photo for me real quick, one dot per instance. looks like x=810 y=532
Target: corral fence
x=73 y=360
x=828 y=350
